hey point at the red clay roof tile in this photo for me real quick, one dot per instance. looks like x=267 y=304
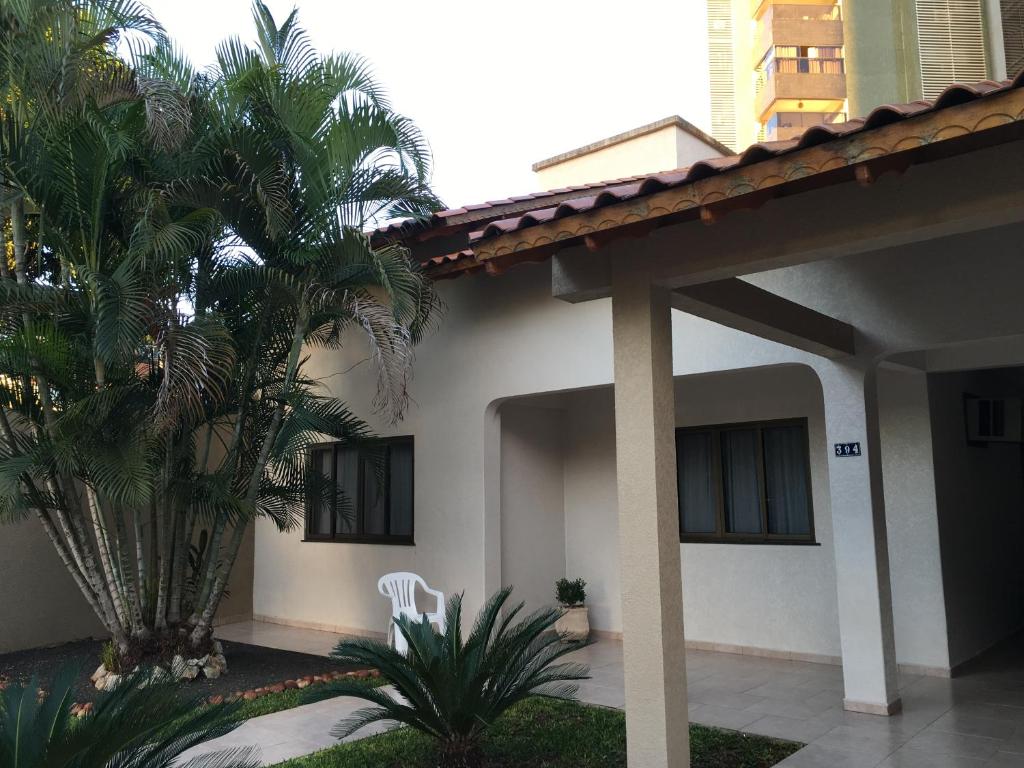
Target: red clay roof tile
x=490 y=219
x=615 y=192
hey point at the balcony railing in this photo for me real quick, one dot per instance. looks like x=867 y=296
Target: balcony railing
x=788 y=125
x=802 y=65
x=804 y=12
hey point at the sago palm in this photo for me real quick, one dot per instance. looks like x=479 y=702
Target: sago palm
x=130 y=727
x=453 y=689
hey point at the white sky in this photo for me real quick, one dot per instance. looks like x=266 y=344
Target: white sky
x=496 y=86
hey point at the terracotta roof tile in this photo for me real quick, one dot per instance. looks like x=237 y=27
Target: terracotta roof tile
x=482 y=211
x=615 y=191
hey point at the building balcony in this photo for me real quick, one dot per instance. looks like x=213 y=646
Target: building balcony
x=817 y=25
x=799 y=79
x=791 y=125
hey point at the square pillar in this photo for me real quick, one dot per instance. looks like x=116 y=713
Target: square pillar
x=863 y=587
x=657 y=722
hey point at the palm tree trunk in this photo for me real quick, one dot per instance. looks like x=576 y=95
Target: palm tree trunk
x=92 y=572
x=209 y=569
x=213 y=550
x=164 y=570
x=130 y=583
x=140 y=562
x=5 y=269
x=182 y=536
x=106 y=563
x=202 y=627
x=180 y=571
x=18 y=239
x=74 y=544
x=205 y=622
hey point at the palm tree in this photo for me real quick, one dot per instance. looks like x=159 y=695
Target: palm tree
x=152 y=378
x=453 y=689
x=309 y=154
x=142 y=727
x=76 y=122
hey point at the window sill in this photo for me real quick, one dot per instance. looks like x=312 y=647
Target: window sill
x=393 y=542
x=748 y=542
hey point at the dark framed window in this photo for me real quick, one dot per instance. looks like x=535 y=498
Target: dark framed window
x=745 y=483
x=361 y=494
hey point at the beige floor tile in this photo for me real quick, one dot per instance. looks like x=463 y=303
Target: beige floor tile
x=724 y=717
x=940 y=742
x=791 y=729
x=909 y=758
x=1006 y=760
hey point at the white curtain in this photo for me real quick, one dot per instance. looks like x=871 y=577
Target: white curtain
x=696 y=489
x=321 y=522
x=785 y=459
x=348 y=490
x=740 y=477
x=374 y=492
x=401 y=489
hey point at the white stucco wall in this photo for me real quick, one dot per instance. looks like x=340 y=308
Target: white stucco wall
x=462 y=373
x=532 y=502
x=775 y=597
x=911 y=515
x=506 y=337
x=662 y=149
x=591 y=507
x=981 y=515
x=40 y=605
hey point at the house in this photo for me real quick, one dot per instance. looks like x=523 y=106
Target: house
x=812 y=448
x=768 y=403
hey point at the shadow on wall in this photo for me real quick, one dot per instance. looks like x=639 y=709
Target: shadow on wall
x=980 y=497
x=40 y=605
x=559 y=513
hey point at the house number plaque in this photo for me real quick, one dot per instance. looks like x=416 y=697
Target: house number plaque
x=848 y=449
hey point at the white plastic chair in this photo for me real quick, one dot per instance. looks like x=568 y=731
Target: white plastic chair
x=401 y=589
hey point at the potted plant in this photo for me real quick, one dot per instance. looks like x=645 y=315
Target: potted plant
x=574 y=624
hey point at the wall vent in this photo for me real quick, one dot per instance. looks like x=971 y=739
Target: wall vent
x=993 y=419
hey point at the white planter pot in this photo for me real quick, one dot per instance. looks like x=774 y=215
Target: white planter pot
x=574 y=626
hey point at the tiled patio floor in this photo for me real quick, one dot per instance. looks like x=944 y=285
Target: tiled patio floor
x=973 y=721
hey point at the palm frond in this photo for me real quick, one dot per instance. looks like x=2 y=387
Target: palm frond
x=453 y=688
x=134 y=726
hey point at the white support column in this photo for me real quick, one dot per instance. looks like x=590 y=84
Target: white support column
x=859 y=538
x=657 y=723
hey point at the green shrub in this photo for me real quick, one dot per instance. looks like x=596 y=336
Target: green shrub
x=454 y=690
x=110 y=657
x=571 y=593
x=141 y=726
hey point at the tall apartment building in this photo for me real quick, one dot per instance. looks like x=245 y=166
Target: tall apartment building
x=780 y=66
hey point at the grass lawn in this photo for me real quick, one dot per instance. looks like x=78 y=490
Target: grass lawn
x=541 y=733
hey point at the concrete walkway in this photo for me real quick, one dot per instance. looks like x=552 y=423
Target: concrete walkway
x=292 y=733
x=973 y=721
